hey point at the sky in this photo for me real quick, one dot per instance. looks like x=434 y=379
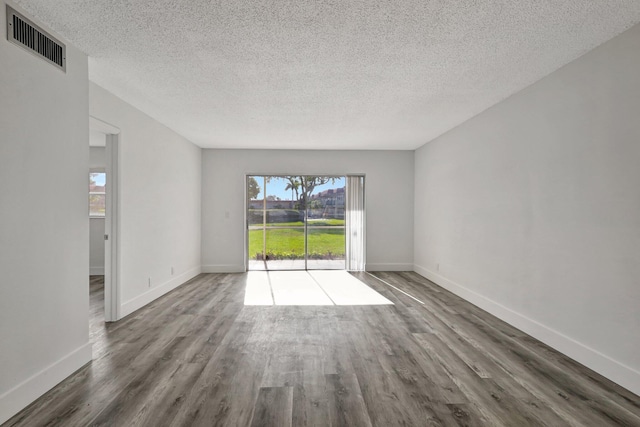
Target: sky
x=276 y=187
x=99 y=178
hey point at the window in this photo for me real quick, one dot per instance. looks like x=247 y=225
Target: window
x=97 y=195
x=295 y=223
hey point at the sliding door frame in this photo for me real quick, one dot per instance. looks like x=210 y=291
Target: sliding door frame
x=280 y=174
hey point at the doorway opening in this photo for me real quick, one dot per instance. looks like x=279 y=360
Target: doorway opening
x=103 y=214
x=300 y=222
x=97 y=217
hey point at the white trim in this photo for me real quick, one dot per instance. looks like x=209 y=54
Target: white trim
x=158 y=291
x=102 y=126
x=245 y=231
x=20 y=396
x=224 y=268
x=392 y=266
x=612 y=369
x=112 y=230
x=96 y=271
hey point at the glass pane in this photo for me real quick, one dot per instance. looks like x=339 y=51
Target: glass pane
x=279 y=220
x=97 y=204
x=325 y=227
x=326 y=248
x=255 y=202
x=285 y=249
x=97 y=184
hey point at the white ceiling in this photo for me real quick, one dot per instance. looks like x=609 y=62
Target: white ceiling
x=326 y=74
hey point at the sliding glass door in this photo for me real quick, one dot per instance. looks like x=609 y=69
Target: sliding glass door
x=325 y=222
x=296 y=222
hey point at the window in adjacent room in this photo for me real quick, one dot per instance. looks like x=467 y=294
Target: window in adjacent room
x=97 y=195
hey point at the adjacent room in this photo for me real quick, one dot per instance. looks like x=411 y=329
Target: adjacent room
x=416 y=213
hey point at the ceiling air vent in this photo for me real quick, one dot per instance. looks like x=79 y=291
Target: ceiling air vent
x=26 y=34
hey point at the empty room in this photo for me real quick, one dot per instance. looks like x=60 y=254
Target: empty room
x=319 y=213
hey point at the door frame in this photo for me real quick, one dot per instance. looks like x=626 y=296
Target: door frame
x=112 y=294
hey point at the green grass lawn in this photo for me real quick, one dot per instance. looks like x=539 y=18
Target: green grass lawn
x=288 y=243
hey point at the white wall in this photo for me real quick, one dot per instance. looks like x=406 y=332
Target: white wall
x=44 y=226
x=531 y=210
x=96 y=246
x=98 y=156
x=389 y=200
x=159 y=177
x=97 y=162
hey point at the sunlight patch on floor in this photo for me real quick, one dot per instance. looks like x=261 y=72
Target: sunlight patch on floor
x=309 y=288
x=296 y=288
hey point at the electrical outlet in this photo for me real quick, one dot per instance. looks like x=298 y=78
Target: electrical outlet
x=438 y=267
x=172 y=271
x=149 y=281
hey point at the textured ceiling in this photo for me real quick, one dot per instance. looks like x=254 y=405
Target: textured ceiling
x=326 y=74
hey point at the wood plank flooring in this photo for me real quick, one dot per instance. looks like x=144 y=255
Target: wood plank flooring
x=199 y=357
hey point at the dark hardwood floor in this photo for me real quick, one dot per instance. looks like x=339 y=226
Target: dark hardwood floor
x=199 y=357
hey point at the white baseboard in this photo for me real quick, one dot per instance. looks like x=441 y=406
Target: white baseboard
x=612 y=369
x=157 y=291
x=389 y=267
x=20 y=396
x=96 y=271
x=224 y=268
